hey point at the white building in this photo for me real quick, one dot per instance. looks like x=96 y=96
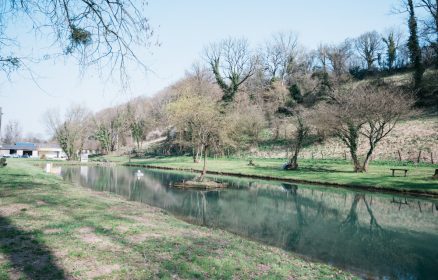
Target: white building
x=44 y=151
x=19 y=149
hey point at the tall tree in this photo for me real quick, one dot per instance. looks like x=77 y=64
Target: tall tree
x=70 y=132
x=111 y=125
x=322 y=56
x=279 y=55
x=232 y=63
x=199 y=117
x=430 y=24
x=392 y=40
x=13 y=132
x=338 y=56
x=414 y=45
x=368 y=46
x=302 y=130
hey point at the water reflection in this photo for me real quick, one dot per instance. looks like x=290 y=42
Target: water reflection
x=385 y=236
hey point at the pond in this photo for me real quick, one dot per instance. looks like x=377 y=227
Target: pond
x=375 y=235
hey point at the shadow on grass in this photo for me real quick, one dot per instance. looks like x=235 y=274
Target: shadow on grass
x=316 y=169
x=27 y=254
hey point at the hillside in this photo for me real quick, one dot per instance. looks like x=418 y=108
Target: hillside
x=406 y=140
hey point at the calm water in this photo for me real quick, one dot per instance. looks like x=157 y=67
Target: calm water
x=375 y=235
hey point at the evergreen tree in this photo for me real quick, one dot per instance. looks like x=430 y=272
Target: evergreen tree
x=391 y=51
x=414 y=46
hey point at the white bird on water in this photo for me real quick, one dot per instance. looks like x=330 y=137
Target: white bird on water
x=139 y=173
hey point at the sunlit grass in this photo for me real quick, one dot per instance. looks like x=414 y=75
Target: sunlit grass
x=419 y=177
x=51 y=229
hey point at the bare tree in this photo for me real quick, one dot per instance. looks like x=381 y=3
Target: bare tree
x=367 y=111
x=322 y=56
x=98 y=32
x=302 y=130
x=13 y=132
x=70 y=132
x=279 y=55
x=338 y=56
x=232 y=63
x=430 y=24
x=368 y=46
x=386 y=107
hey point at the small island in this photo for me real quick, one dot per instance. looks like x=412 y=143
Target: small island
x=195 y=184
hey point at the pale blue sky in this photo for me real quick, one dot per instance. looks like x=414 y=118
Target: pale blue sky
x=184 y=28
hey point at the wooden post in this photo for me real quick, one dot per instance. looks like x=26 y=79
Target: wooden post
x=431 y=157
x=419 y=157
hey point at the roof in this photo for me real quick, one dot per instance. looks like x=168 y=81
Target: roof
x=18 y=147
x=25 y=144
x=48 y=146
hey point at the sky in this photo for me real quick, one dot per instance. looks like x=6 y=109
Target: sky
x=183 y=29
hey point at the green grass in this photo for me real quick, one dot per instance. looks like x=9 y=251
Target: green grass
x=50 y=229
x=419 y=177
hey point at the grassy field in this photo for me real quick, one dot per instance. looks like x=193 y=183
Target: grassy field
x=419 y=177
x=50 y=229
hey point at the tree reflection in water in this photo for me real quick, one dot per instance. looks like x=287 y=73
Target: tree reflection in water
x=387 y=236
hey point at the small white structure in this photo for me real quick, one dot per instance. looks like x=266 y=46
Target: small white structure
x=50 y=151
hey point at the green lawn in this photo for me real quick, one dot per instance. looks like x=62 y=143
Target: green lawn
x=50 y=229
x=419 y=177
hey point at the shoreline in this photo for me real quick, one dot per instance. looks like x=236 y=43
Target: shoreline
x=67 y=231
x=414 y=193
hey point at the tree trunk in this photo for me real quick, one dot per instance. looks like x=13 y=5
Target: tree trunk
x=195 y=154
x=352 y=140
x=356 y=163
x=419 y=157
x=293 y=162
x=367 y=159
x=138 y=144
x=399 y=155
x=277 y=132
x=204 y=167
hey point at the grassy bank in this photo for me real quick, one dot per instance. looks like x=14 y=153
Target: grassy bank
x=418 y=180
x=50 y=229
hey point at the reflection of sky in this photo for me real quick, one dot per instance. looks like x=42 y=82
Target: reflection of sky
x=369 y=231
x=183 y=27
